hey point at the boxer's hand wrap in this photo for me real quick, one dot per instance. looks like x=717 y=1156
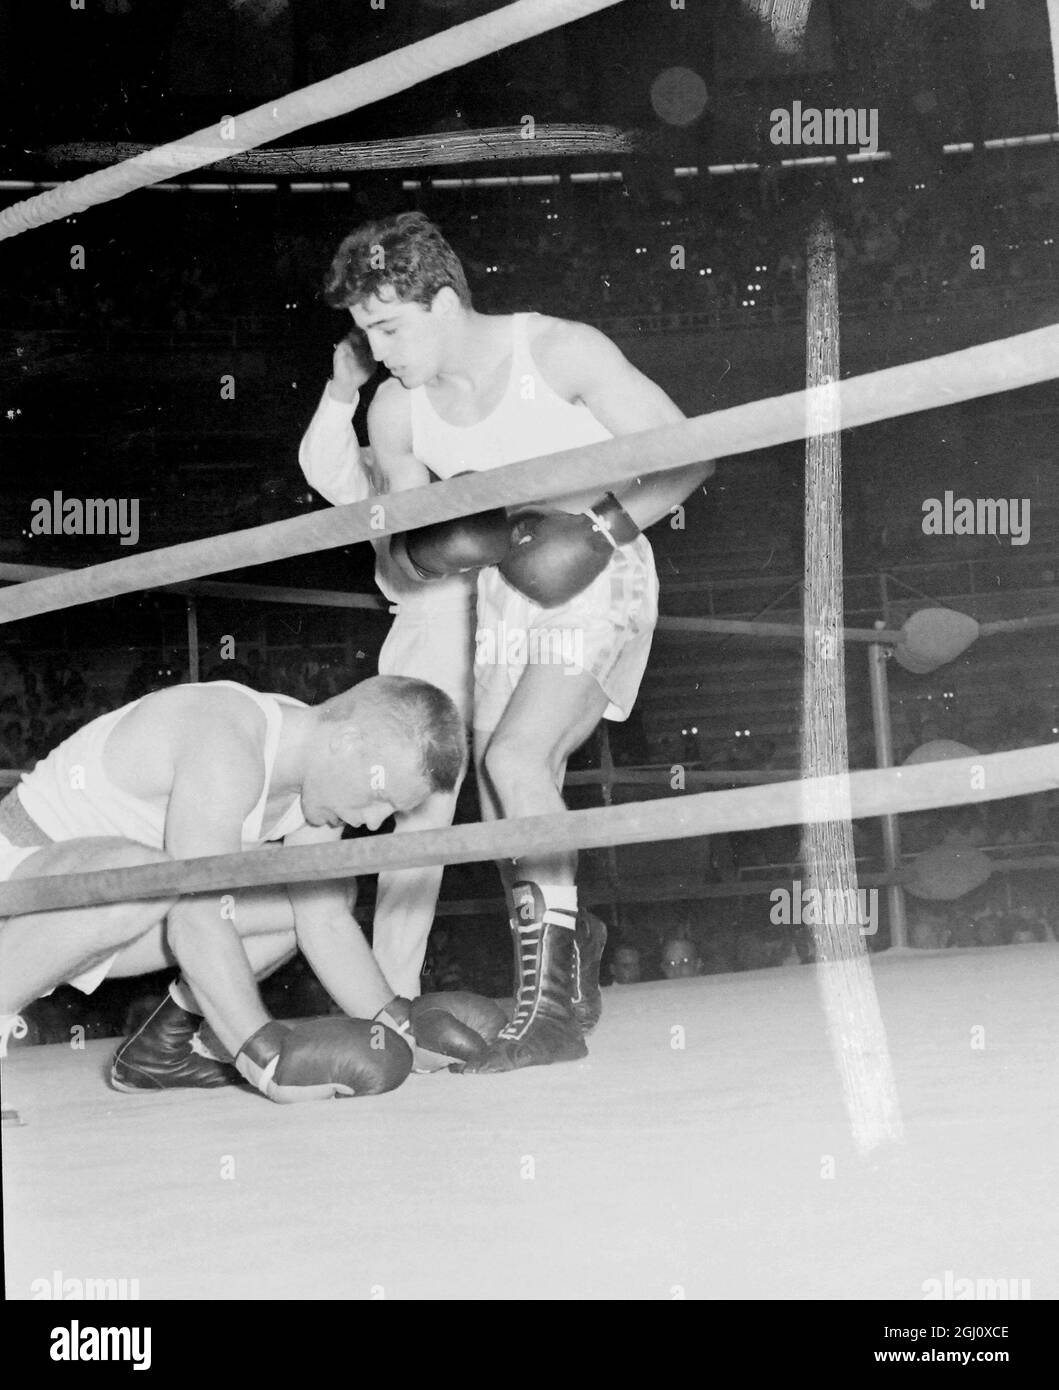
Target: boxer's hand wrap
x=397 y=1015
x=613 y=521
x=258 y=1058
x=555 y=556
x=319 y=1059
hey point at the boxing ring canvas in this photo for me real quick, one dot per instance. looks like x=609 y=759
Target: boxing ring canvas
x=701 y=1151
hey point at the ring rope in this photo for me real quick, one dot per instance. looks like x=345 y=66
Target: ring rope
x=1023 y=359
x=685 y=627
x=875 y=792
x=321 y=101
x=206 y=588
x=337 y=598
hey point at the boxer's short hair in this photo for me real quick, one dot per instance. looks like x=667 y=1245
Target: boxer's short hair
x=413 y=712
x=406 y=253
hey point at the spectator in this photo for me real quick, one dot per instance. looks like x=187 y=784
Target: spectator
x=680 y=959
x=625 y=966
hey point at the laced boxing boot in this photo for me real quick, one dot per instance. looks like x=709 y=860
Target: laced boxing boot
x=545 y=1028
x=164 y=1054
x=590 y=940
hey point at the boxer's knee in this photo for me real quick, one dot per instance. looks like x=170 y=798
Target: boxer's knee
x=129 y=855
x=512 y=764
x=109 y=924
x=126 y=921
x=118 y=923
x=87 y=855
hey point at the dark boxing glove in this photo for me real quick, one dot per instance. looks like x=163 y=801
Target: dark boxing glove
x=554 y=556
x=453 y=547
x=453 y=1028
x=322 y=1058
x=448 y=1029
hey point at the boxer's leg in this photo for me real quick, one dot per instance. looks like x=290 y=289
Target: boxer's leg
x=552 y=711
x=166 y=1051
x=490 y=802
x=406 y=899
x=267 y=952
x=259 y=915
x=590 y=938
x=436 y=649
x=39 y=950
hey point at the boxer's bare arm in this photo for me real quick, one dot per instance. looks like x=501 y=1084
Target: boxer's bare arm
x=331 y=939
x=390 y=434
x=217 y=779
x=583 y=364
x=396 y=467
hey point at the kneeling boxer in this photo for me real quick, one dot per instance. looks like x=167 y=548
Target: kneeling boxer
x=214 y=769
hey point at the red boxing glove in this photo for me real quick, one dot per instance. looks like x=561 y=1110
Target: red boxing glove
x=555 y=556
x=453 y=547
x=446 y=1030
x=453 y=1028
x=322 y=1058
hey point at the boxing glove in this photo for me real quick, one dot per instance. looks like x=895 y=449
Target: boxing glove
x=323 y=1058
x=446 y=1030
x=453 y=1028
x=453 y=547
x=554 y=556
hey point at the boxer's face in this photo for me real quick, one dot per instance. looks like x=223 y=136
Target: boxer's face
x=408 y=338
x=355 y=780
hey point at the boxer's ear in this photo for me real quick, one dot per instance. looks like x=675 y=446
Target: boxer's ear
x=346 y=739
x=445 y=302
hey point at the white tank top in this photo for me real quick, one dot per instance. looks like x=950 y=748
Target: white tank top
x=68 y=793
x=530 y=419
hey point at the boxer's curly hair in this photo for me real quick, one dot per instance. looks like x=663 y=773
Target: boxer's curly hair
x=416 y=713
x=407 y=253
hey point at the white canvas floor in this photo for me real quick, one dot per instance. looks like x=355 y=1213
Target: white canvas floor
x=644 y=1172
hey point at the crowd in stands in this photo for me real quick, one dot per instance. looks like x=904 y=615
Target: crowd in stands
x=592 y=251
x=719 y=938
x=40 y=707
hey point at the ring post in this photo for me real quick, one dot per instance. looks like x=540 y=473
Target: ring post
x=884 y=757
x=193 y=640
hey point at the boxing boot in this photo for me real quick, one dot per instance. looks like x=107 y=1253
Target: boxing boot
x=590 y=940
x=163 y=1054
x=545 y=1028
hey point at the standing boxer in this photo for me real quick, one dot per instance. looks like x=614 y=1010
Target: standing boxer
x=566 y=612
